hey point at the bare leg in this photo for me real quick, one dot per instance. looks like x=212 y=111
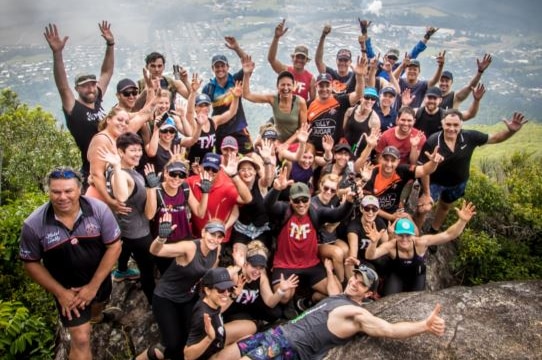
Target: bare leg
x=230 y=352
x=440 y=214
x=238 y=329
x=80 y=342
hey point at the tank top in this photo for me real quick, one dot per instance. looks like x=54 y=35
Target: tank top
x=206 y=143
x=314 y=321
x=354 y=129
x=135 y=225
x=180 y=283
x=407 y=267
x=176 y=205
x=254 y=212
x=448 y=101
x=286 y=123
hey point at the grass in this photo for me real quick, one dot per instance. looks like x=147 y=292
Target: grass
x=528 y=139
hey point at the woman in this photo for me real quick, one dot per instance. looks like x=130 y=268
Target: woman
x=289 y=110
x=177 y=291
x=128 y=186
x=407 y=251
x=199 y=107
x=360 y=119
x=340 y=166
x=253 y=222
x=357 y=236
x=255 y=303
x=175 y=198
x=329 y=245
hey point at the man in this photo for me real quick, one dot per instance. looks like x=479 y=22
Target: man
x=325 y=114
x=127 y=91
x=69 y=246
x=408 y=140
x=449 y=181
x=452 y=99
x=343 y=78
x=84 y=113
x=333 y=321
x=218 y=90
x=226 y=190
x=304 y=80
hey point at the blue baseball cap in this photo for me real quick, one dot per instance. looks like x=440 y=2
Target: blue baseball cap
x=405 y=226
x=211 y=160
x=371 y=92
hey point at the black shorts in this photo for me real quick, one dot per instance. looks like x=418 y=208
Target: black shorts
x=244 y=141
x=309 y=276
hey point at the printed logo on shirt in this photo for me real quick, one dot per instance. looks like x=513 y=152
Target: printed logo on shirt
x=299 y=87
x=248 y=296
x=299 y=232
x=321 y=127
x=207 y=141
x=91 y=229
x=52 y=237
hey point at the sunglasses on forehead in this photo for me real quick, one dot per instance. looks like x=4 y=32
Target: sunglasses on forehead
x=62 y=173
x=300 y=200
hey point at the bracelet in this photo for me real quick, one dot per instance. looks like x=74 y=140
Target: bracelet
x=233 y=175
x=326 y=160
x=480 y=71
x=363 y=51
x=267 y=162
x=110 y=43
x=161 y=240
x=281 y=292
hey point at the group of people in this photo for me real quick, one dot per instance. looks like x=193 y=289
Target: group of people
x=322 y=211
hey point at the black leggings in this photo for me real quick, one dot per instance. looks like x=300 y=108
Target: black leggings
x=174 y=322
x=396 y=283
x=139 y=248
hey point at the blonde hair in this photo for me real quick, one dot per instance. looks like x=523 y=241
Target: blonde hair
x=112 y=113
x=329 y=177
x=256 y=247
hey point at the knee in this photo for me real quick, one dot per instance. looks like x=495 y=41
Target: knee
x=80 y=337
x=337 y=254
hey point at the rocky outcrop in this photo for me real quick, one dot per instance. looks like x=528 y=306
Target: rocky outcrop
x=493 y=321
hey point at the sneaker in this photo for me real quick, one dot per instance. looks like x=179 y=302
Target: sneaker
x=130 y=274
x=110 y=314
x=303 y=304
x=289 y=311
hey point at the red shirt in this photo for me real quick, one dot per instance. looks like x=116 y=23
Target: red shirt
x=297 y=244
x=302 y=83
x=222 y=199
x=389 y=138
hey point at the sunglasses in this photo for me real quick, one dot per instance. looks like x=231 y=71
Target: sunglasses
x=222 y=291
x=329 y=189
x=210 y=169
x=370 y=208
x=129 y=93
x=391 y=57
x=372 y=98
x=170 y=130
x=64 y=174
x=300 y=200
x=177 y=174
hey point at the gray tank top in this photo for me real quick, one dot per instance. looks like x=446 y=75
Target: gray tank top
x=135 y=224
x=314 y=322
x=181 y=283
x=286 y=123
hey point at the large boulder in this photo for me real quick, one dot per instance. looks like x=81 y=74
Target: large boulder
x=494 y=321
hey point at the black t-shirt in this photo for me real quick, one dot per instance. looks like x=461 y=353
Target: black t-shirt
x=428 y=123
x=342 y=84
x=388 y=190
x=356 y=227
x=326 y=118
x=455 y=168
x=197 y=329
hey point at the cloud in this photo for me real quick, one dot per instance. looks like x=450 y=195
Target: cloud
x=374 y=7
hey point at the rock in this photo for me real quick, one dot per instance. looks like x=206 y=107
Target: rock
x=494 y=321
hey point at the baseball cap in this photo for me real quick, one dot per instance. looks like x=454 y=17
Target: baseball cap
x=413 y=62
x=257 y=260
x=218 y=278
x=388 y=90
x=370 y=200
x=215 y=226
x=298 y=190
x=433 y=91
x=324 y=77
x=85 y=78
x=177 y=166
x=203 y=99
x=393 y=52
x=405 y=226
x=125 y=84
x=219 y=58
x=211 y=160
x=344 y=54
x=229 y=142
x=370 y=277
x=247 y=158
x=370 y=91
x=447 y=74
x=270 y=134
x=168 y=123
x=392 y=151
x=301 y=50
x=342 y=147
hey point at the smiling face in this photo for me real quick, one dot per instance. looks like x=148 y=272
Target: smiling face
x=299 y=61
x=412 y=73
x=64 y=195
x=341 y=158
x=432 y=103
x=285 y=86
x=216 y=298
x=247 y=172
x=220 y=69
x=300 y=205
x=324 y=90
x=212 y=240
x=131 y=156
x=445 y=84
x=343 y=66
x=355 y=288
x=451 y=126
x=388 y=165
x=405 y=123
x=253 y=273
x=118 y=123
x=307 y=160
x=404 y=241
x=127 y=98
x=386 y=100
x=156 y=68
x=328 y=190
x=87 y=92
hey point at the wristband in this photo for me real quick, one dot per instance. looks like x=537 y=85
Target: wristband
x=233 y=175
x=161 y=240
x=267 y=162
x=480 y=71
x=281 y=292
x=110 y=43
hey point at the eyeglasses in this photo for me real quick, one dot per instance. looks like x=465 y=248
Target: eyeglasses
x=177 y=174
x=371 y=98
x=370 y=208
x=168 y=130
x=64 y=173
x=329 y=189
x=210 y=169
x=300 y=200
x=129 y=93
x=222 y=291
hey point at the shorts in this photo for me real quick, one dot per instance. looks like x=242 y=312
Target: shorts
x=310 y=276
x=448 y=194
x=270 y=344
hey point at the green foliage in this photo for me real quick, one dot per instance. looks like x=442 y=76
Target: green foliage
x=31 y=144
x=23 y=336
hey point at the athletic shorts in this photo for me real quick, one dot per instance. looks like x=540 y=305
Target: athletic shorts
x=270 y=344
x=310 y=276
x=448 y=194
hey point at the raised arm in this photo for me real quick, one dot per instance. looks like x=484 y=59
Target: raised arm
x=233 y=44
x=441 y=59
x=226 y=116
x=513 y=126
x=280 y=30
x=248 y=69
x=360 y=70
x=109 y=59
x=477 y=95
x=59 y=71
x=464 y=92
x=467 y=211
x=180 y=81
x=429 y=167
x=230 y=169
x=422 y=44
x=319 y=56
